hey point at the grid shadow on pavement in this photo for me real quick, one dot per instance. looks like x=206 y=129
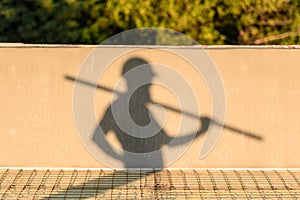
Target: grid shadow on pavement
x=142 y=184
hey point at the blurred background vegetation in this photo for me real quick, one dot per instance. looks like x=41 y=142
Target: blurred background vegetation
x=206 y=21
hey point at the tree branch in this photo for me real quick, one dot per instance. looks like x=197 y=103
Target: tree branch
x=277 y=37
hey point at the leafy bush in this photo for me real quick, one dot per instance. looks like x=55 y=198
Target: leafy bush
x=206 y=21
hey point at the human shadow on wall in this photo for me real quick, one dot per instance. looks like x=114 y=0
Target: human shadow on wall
x=131 y=135
x=142 y=117
x=131 y=142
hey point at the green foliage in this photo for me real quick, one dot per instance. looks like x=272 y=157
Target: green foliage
x=49 y=21
x=206 y=21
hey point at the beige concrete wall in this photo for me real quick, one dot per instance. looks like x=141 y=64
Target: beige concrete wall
x=262 y=97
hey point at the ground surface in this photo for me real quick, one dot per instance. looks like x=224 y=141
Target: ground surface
x=164 y=184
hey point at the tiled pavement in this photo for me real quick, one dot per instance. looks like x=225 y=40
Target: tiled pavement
x=141 y=184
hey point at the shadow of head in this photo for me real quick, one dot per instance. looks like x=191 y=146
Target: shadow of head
x=136 y=71
x=138 y=74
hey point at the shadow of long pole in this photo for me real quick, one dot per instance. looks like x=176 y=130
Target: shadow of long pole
x=225 y=126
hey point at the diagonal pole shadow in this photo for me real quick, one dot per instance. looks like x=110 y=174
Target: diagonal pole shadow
x=201 y=118
x=102 y=187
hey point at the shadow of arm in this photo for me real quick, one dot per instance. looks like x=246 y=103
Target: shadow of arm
x=205 y=121
x=99 y=136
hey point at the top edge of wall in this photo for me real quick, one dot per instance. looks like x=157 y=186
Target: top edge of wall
x=22 y=45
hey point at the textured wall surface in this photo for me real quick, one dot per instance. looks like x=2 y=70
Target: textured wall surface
x=262 y=89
